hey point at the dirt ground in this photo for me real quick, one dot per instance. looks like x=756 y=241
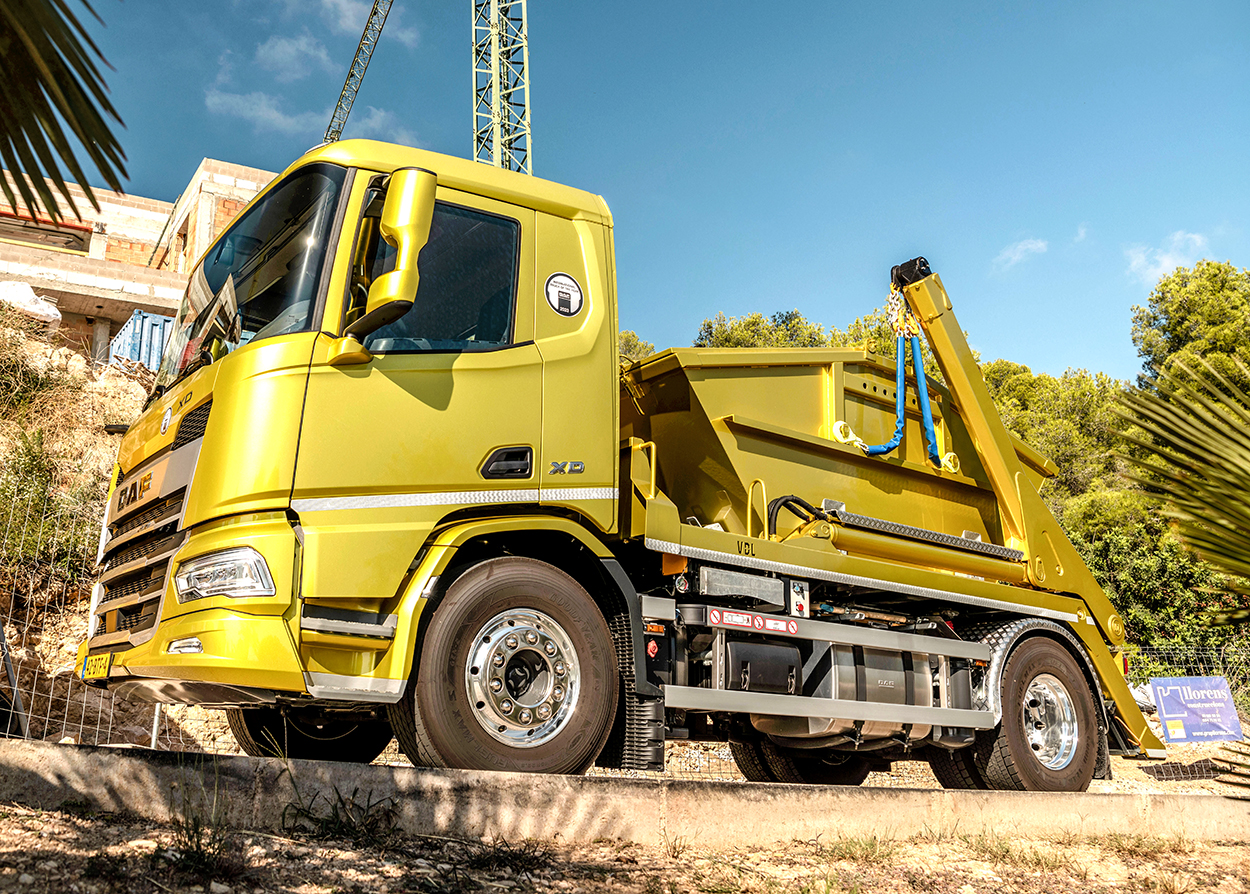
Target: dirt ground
x=49 y=851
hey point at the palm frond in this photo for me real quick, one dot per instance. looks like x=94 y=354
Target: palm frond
x=49 y=84
x=1193 y=435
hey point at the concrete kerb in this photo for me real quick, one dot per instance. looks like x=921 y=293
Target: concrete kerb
x=254 y=793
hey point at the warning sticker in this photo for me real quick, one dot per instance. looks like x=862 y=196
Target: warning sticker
x=793 y=626
x=736 y=619
x=714 y=616
x=564 y=294
x=777 y=624
x=759 y=623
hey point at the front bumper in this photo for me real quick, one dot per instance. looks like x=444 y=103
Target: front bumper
x=248 y=650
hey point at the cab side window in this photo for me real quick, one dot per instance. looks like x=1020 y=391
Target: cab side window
x=467 y=292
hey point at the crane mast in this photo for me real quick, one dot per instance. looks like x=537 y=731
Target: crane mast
x=360 y=64
x=501 y=108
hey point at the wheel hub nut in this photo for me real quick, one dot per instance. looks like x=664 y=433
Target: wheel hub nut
x=511 y=642
x=506 y=706
x=544 y=711
x=497 y=660
x=531 y=637
x=557 y=692
x=496 y=684
x=559 y=668
x=550 y=648
x=525 y=716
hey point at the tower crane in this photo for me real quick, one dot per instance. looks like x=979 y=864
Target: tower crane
x=501 y=86
x=360 y=64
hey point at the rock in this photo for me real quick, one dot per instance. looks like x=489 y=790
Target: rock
x=219 y=888
x=25 y=879
x=48 y=865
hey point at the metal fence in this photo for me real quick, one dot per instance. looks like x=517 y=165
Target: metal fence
x=48 y=542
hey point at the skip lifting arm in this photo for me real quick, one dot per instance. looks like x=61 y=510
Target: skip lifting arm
x=1052 y=562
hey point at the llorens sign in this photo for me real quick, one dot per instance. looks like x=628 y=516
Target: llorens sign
x=1196 y=709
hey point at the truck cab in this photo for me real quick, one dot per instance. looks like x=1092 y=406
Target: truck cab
x=268 y=504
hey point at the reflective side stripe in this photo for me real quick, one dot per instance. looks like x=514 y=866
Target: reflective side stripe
x=854 y=580
x=453 y=498
x=573 y=494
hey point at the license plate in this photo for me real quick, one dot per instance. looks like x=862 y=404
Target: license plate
x=97 y=666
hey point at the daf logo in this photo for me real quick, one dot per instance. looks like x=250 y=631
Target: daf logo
x=133 y=494
x=169 y=414
x=888 y=684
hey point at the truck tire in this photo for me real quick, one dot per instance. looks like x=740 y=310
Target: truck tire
x=517 y=671
x=1048 y=738
x=752 y=764
x=268 y=732
x=827 y=768
x=765 y=762
x=956 y=769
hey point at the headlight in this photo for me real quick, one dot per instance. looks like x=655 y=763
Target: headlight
x=233 y=572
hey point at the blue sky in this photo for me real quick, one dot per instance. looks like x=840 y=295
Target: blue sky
x=1050 y=160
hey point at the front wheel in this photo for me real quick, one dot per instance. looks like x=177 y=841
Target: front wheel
x=517 y=671
x=1048 y=738
x=270 y=732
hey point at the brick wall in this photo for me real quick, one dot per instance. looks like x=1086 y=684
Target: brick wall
x=226 y=211
x=128 y=252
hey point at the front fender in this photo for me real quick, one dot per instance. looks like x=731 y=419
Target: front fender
x=439 y=553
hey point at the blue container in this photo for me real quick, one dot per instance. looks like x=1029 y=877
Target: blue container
x=142 y=338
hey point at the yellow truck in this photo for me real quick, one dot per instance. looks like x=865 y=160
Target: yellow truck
x=394 y=481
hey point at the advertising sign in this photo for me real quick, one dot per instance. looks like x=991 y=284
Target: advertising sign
x=1196 y=709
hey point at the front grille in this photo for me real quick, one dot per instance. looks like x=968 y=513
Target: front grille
x=147 y=582
x=132 y=617
x=193 y=425
x=145 y=547
x=134 y=585
x=169 y=506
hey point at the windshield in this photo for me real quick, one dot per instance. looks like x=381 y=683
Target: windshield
x=260 y=278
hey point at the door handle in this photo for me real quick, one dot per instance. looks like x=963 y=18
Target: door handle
x=509 y=462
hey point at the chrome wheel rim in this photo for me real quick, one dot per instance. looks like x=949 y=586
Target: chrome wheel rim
x=1050 y=725
x=522 y=678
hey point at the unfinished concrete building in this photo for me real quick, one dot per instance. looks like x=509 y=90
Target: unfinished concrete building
x=132 y=254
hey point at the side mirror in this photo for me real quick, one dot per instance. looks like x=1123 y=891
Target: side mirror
x=405 y=224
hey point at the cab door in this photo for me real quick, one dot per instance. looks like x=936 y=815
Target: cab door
x=446 y=416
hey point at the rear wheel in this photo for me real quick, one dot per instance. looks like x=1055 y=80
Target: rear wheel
x=763 y=761
x=517 y=672
x=956 y=769
x=269 y=732
x=1048 y=738
x=828 y=768
x=751 y=762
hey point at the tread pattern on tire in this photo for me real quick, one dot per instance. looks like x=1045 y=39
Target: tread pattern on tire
x=288 y=741
x=786 y=767
x=956 y=769
x=995 y=761
x=750 y=761
x=417 y=739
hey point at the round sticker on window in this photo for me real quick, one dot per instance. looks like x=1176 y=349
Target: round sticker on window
x=564 y=294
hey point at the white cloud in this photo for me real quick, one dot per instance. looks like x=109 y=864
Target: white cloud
x=378 y=124
x=1181 y=249
x=349 y=17
x=1081 y=232
x=225 y=68
x=1016 y=252
x=262 y=110
x=293 y=58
